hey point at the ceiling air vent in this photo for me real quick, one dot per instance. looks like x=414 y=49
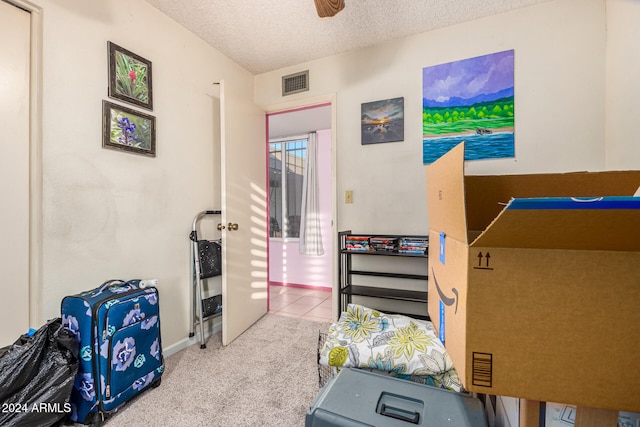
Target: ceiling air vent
x=294 y=83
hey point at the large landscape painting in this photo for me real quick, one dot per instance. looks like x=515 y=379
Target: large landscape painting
x=469 y=100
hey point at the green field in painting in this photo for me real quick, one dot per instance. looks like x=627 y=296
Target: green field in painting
x=487 y=115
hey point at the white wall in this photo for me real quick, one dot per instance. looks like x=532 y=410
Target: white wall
x=286 y=264
x=110 y=214
x=559 y=100
x=623 y=87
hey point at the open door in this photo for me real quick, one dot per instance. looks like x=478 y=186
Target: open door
x=244 y=209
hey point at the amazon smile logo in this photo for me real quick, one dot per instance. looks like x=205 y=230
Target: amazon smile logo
x=448 y=301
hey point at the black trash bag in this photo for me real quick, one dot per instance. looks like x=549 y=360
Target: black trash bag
x=36 y=377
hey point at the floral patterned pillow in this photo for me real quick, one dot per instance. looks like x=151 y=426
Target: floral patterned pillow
x=398 y=345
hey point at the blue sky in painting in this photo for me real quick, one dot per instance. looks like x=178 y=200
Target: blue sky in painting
x=383 y=111
x=479 y=77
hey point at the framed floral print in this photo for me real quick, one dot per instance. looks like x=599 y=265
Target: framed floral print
x=128 y=130
x=129 y=77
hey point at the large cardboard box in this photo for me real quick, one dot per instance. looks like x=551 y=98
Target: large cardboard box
x=534 y=282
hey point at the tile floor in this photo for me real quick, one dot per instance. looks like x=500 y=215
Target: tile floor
x=305 y=303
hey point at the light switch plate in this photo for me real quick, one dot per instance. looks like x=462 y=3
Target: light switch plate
x=348 y=196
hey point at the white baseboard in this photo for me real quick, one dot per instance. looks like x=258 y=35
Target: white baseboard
x=210 y=329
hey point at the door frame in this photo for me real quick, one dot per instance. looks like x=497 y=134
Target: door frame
x=297 y=105
x=35 y=161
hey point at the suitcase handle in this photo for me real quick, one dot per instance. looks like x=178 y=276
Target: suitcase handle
x=400 y=414
x=108 y=283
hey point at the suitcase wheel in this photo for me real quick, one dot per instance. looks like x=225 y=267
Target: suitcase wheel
x=96 y=420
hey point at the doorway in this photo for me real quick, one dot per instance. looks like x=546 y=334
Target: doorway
x=299 y=284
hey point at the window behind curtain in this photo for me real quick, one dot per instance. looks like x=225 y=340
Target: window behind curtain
x=285 y=190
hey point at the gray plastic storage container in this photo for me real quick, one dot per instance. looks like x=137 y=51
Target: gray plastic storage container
x=357 y=398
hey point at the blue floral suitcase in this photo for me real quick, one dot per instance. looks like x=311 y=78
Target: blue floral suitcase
x=118 y=328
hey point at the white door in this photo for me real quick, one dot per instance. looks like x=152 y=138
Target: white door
x=244 y=250
x=14 y=172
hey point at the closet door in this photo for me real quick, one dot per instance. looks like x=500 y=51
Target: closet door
x=14 y=172
x=244 y=238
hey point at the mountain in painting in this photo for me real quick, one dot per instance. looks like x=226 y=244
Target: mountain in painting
x=455 y=101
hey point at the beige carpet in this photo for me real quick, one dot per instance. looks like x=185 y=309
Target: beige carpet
x=267 y=377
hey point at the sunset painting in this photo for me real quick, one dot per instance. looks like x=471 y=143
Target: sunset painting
x=382 y=121
x=472 y=101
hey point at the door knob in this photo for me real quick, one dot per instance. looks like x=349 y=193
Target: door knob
x=220 y=227
x=232 y=226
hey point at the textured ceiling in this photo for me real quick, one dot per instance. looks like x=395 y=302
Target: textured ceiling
x=266 y=35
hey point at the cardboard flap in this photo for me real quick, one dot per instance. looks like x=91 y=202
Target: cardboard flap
x=606 y=223
x=445 y=194
x=487 y=195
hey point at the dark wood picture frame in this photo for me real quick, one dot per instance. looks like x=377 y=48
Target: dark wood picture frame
x=129 y=130
x=130 y=77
